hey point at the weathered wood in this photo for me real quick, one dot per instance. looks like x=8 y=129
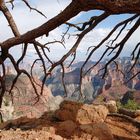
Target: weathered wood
x=76 y=6
x=113 y=6
x=127 y=112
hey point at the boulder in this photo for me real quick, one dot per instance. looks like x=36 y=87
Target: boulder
x=81 y=113
x=112 y=106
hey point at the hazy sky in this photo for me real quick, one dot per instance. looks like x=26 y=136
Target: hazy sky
x=27 y=20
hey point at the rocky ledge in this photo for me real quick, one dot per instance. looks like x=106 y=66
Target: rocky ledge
x=74 y=121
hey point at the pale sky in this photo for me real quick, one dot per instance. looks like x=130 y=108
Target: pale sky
x=27 y=20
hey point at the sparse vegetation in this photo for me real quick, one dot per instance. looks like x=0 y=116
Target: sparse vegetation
x=131 y=105
x=100 y=99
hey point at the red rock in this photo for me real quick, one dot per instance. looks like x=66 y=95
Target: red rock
x=67 y=128
x=99 y=131
x=81 y=113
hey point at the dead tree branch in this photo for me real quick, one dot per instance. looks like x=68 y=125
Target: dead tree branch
x=108 y=8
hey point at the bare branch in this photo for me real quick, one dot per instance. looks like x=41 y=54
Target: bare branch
x=31 y=8
x=42 y=50
x=63 y=81
x=9 y=18
x=122 y=43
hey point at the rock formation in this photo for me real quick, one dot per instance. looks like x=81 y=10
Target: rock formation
x=72 y=126
x=112 y=106
x=71 y=80
x=113 y=87
x=81 y=113
x=23 y=100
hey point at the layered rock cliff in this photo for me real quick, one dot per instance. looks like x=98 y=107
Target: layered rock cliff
x=23 y=100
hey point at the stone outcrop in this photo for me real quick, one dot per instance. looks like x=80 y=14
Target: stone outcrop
x=112 y=106
x=81 y=113
x=50 y=127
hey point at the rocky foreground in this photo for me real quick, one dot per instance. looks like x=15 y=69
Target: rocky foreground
x=75 y=121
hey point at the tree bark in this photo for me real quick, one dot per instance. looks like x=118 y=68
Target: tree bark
x=9 y=18
x=113 y=6
x=76 y=6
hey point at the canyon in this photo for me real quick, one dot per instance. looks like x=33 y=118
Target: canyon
x=112 y=87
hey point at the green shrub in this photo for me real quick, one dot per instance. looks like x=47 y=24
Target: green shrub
x=131 y=105
x=100 y=98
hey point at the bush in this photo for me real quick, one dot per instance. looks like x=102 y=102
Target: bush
x=131 y=105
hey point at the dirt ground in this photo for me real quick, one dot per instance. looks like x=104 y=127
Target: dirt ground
x=47 y=128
